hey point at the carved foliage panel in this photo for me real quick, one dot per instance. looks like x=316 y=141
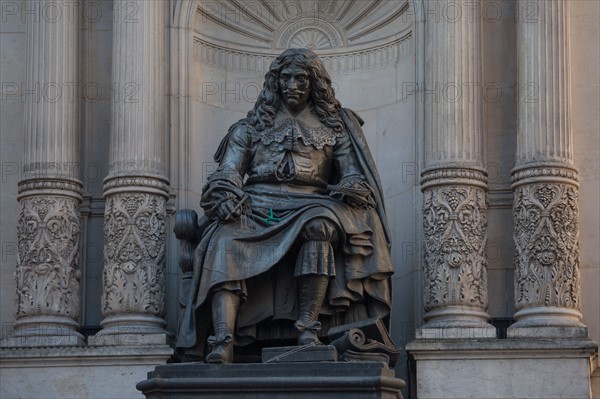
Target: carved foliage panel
x=455 y=225
x=547 y=245
x=47 y=270
x=134 y=257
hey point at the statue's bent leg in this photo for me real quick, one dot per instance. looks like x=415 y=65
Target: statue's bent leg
x=314 y=266
x=225 y=305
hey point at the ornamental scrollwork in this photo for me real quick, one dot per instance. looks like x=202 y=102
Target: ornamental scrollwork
x=134 y=258
x=48 y=272
x=455 y=225
x=29 y=187
x=147 y=183
x=547 y=245
x=545 y=170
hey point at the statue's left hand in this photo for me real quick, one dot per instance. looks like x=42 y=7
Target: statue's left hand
x=354 y=191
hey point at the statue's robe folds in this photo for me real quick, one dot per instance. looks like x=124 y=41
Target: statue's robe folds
x=293 y=172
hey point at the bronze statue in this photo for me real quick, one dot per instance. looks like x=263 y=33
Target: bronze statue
x=295 y=228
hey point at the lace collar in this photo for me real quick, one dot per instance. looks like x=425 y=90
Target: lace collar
x=291 y=129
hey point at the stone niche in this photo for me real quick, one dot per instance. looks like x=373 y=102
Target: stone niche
x=368 y=49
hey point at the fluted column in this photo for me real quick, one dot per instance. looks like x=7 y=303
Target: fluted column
x=454 y=181
x=545 y=211
x=48 y=275
x=136 y=189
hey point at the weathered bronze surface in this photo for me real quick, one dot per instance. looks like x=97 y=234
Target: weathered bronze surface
x=294 y=233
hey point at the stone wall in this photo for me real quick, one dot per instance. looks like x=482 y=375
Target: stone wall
x=13 y=36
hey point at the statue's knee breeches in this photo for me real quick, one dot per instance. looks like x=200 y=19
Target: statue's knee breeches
x=238 y=287
x=316 y=254
x=319 y=229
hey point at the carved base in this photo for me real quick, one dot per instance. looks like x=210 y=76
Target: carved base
x=456 y=322
x=124 y=339
x=42 y=341
x=482 y=331
x=548 y=322
x=44 y=331
x=131 y=330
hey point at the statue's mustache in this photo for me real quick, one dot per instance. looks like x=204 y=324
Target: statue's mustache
x=293 y=92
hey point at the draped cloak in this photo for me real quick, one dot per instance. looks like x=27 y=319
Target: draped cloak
x=261 y=253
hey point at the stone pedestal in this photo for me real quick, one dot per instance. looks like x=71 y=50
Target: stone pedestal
x=91 y=373
x=314 y=380
x=288 y=354
x=503 y=368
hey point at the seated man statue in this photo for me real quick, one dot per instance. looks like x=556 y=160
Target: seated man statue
x=295 y=228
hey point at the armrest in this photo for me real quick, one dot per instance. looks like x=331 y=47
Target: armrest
x=188 y=232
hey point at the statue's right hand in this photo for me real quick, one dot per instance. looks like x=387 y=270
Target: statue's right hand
x=228 y=210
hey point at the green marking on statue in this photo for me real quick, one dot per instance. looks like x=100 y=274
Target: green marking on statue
x=272 y=218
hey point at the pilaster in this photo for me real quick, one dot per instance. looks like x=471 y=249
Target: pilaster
x=454 y=183
x=545 y=183
x=47 y=297
x=136 y=189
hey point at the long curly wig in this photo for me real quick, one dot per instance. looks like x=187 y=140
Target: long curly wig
x=322 y=95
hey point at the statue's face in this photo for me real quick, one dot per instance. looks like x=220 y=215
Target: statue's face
x=295 y=87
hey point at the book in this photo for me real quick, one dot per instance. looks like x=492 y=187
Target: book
x=373 y=328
